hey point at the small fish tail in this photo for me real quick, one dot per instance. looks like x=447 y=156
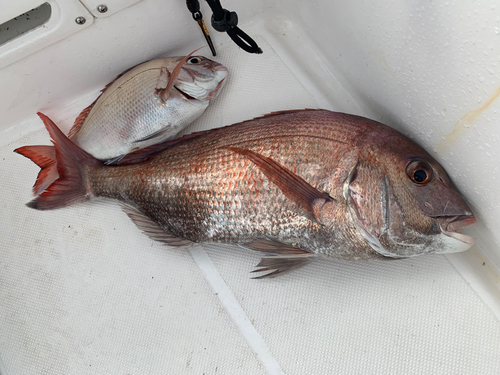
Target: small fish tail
x=71 y=163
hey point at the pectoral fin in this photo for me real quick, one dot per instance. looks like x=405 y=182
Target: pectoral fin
x=285 y=259
x=159 y=135
x=162 y=83
x=292 y=186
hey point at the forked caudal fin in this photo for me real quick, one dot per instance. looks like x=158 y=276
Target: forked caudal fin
x=71 y=161
x=45 y=158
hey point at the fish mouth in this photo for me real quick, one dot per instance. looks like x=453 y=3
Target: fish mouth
x=215 y=92
x=214 y=73
x=186 y=95
x=450 y=224
x=206 y=97
x=220 y=68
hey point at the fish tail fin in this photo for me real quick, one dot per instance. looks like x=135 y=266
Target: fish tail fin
x=71 y=162
x=45 y=158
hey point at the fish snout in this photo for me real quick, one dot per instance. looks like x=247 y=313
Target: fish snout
x=220 y=68
x=221 y=72
x=451 y=224
x=218 y=73
x=460 y=222
x=453 y=206
x=206 y=71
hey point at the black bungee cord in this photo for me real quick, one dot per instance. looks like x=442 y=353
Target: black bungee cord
x=223 y=21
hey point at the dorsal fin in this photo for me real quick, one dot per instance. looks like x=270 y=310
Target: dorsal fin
x=81 y=119
x=284 y=112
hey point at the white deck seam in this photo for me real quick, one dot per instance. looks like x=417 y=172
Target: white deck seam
x=235 y=311
x=479 y=287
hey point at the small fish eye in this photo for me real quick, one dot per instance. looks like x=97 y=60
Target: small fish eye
x=419 y=172
x=194 y=60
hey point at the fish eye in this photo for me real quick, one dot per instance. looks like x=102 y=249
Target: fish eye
x=194 y=60
x=419 y=172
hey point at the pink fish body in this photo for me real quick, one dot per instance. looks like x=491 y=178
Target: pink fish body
x=297 y=184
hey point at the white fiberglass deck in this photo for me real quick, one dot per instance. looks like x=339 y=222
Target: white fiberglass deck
x=83 y=291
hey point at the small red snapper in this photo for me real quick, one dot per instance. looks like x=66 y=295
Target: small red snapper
x=133 y=112
x=139 y=109
x=297 y=184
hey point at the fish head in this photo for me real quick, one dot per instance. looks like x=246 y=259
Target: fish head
x=201 y=79
x=416 y=208
x=438 y=199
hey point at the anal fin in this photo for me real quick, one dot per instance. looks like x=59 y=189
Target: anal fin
x=150 y=228
x=286 y=258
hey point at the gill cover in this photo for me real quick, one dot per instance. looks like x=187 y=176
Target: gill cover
x=378 y=215
x=396 y=231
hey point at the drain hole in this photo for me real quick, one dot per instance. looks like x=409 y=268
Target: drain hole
x=24 y=23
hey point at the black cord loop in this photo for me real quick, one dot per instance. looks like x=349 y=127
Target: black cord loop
x=243 y=40
x=224 y=20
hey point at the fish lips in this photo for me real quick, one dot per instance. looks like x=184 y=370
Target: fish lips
x=450 y=224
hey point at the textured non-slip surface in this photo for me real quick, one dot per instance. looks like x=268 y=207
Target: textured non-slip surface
x=415 y=316
x=82 y=291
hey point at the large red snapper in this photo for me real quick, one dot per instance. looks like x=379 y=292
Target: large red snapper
x=297 y=184
x=139 y=109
